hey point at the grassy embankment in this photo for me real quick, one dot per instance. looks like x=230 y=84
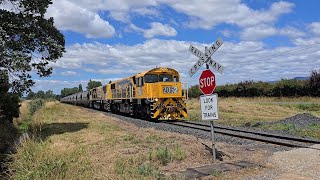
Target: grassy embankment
x=74 y=143
x=249 y=111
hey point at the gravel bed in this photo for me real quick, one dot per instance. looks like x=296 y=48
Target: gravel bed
x=249 y=144
x=300 y=120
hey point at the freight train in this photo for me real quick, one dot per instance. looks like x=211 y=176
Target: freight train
x=153 y=94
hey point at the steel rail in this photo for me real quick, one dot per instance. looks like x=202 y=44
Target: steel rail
x=305 y=140
x=273 y=139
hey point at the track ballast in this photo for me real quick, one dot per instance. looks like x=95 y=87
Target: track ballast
x=289 y=141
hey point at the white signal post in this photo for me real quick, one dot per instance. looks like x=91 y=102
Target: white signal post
x=207 y=83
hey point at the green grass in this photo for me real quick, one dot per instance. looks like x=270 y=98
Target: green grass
x=25 y=122
x=216 y=173
x=284 y=127
x=147 y=166
x=165 y=155
x=308 y=107
x=312 y=130
x=36 y=160
x=136 y=168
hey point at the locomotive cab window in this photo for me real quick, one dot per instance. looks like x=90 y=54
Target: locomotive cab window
x=138 y=82
x=175 y=79
x=151 y=78
x=165 y=78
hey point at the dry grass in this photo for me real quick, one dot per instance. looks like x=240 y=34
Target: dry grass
x=78 y=143
x=238 y=111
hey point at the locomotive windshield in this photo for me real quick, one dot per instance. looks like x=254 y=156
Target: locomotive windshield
x=151 y=78
x=165 y=78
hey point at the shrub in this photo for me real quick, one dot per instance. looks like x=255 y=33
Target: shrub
x=34 y=105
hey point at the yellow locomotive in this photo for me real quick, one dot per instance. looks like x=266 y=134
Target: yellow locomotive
x=154 y=94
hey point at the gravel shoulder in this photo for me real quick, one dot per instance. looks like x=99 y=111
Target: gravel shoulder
x=301 y=163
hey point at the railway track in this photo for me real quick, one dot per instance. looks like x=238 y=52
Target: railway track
x=288 y=141
x=277 y=139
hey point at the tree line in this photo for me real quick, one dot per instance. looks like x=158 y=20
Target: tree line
x=69 y=91
x=282 y=88
x=42 y=95
x=64 y=92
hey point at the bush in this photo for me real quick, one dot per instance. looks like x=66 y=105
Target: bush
x=35 y=105
x=165 y=155
x=314 y=83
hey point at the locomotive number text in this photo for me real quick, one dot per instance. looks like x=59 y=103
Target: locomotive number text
x=169 y=90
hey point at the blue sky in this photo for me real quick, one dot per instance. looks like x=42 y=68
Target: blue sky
x=111 y=39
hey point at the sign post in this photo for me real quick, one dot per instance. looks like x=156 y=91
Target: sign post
x=207 y=84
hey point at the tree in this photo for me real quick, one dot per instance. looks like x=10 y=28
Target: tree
x=42 y=95
x=93 y=84
x=9 y=102
x=28 y=41
x=31 y=95
x=80 y=88
x=194 y=91
x=49 y=95
x=314 y=83
x=69 y=91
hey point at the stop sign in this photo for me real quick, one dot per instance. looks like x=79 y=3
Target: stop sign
x=207 y=82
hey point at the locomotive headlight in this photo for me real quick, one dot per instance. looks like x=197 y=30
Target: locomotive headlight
x=156 y=99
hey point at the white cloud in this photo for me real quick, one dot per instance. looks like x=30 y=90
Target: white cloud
x=258 y=32
x=118 y=9
x=72 y=16
x=262 y=31
x=9 y=6
x=291 y=32
x=156 y=29
x=83 y=16
x=69 y=73
x=57 y=85
x=315 y=28
x=206 y=14
x=202 y=13
x=146 y=11
x=246 y=60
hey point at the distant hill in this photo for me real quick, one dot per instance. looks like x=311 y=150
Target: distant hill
x=296 y=78
x=301 y=78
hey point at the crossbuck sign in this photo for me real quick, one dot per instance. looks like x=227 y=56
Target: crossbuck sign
x=206 y=58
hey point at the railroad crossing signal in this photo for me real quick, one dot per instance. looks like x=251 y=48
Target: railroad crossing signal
x=206 y=58
x=207 y=82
